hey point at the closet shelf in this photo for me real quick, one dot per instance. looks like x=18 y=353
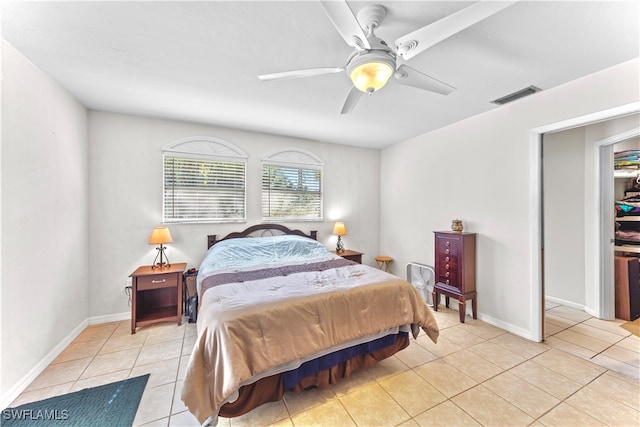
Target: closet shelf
x=625 y=173
x=630 y=249
x=628 y=218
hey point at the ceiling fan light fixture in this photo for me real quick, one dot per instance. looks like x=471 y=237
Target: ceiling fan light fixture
x=371 y=76
x=371 y=71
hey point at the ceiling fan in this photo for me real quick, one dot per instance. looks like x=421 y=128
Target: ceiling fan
x=373 y=62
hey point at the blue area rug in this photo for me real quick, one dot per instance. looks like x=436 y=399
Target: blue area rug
x=111 y=405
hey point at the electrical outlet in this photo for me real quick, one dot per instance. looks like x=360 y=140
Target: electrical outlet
x=128 y=287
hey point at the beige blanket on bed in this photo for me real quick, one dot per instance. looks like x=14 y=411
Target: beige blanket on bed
x=245 y=329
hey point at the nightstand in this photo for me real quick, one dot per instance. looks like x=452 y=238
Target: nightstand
x=156 y=295
x=354 y=256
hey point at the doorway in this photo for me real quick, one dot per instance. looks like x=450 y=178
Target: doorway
x=571 y=196
x=604 y=296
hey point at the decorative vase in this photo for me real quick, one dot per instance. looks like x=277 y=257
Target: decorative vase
x=456 y=225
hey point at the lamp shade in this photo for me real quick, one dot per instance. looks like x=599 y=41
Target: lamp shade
x=159 y=236
x=339 y=229
x=370 y=71
x=371 y=76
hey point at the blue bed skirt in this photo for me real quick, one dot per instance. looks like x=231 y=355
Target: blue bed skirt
x=293 y=377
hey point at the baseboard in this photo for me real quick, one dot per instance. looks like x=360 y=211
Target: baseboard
x=14 y=392
x=96 y=320
x=566 y=303
x=11 y=394
x=524 y=333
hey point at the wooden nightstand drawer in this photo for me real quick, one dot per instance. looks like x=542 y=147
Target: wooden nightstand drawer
x=157 y=281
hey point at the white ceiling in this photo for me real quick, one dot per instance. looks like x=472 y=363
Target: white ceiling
x=198 y=61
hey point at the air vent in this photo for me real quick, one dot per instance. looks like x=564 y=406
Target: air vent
x=516 y=95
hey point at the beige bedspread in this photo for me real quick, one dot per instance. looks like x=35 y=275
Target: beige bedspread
x=248 y=329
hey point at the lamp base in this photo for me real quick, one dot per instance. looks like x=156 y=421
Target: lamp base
x=339 y=245
x=158 y=266
x=162 y=255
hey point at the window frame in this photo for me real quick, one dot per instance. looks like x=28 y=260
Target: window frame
x=294 y=158
x=209 y=149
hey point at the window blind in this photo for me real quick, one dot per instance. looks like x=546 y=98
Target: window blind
x=290 y=192
x=197 y=189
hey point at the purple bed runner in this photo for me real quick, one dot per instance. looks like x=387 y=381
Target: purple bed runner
x=264 y=273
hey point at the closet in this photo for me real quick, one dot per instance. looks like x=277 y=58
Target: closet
x=627 y=233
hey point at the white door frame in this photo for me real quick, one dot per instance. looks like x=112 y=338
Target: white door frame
x=535 y=210
x=604 y=179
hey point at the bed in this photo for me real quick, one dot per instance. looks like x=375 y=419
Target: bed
x=278 y=312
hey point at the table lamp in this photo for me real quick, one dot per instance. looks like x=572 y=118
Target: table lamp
x=339 y=230
x=160 y=236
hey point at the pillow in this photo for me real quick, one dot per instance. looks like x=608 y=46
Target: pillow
x=250 y=251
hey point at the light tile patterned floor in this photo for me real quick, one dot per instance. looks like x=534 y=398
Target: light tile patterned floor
x=585 y=374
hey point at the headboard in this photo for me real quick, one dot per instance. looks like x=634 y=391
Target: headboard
x=259 y=231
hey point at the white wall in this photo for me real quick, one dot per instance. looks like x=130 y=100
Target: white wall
x=44 y=219
x=564 y=199
x=478 y=170
x=125 y=160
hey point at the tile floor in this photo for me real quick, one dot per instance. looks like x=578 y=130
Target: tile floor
x=585 y=374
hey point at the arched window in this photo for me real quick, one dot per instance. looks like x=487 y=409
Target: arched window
x=292 y=186
x=204 y=181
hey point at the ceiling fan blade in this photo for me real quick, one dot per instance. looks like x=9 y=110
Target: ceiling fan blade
x=296 y=74
x=412 y=77
x=352 y=100
x=417 y=41
x=345 y=21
